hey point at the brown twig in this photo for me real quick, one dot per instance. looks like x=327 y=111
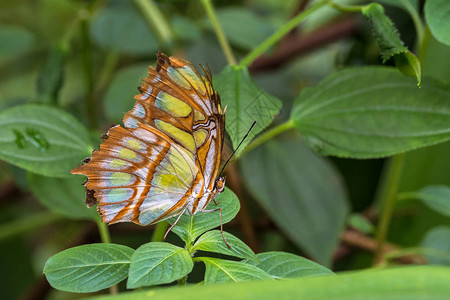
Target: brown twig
x=293 y=45
x=355 y=239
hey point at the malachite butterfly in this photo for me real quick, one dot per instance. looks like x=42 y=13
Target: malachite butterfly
x=165 y=159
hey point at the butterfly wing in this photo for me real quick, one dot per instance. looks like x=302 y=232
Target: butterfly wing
x=147 y=171
x=208 y=127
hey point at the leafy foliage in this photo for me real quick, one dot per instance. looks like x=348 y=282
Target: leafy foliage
x=44 y=140
x=302 y=192
x=245 y=104
x=79 y=269
x=372 y=112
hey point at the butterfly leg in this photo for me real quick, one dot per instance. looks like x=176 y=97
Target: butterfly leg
x=175 y=223
x=221 y=224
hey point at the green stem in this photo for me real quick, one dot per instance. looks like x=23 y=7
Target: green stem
x=280 y=33
x=182 y=281
x=27 y=224
x=107 y=71
x=104 y=232
x=269 y=134
x=160 y=231
x=219 y=31
x=388 y=199
x=156 y=21
x=423 y=46
x=346 y=8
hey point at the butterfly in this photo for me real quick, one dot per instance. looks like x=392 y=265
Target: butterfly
x=166 y=158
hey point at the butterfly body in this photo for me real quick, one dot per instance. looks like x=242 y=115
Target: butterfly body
x=166 y=158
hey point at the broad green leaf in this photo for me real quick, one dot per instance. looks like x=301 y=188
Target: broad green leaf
x=245 y=104
x=288 y=265
x=301 y=191
x=360 y=223
x=255 y=31
x=42 y=139
x=390 y=43
x=212 y=241
x=436 y=197
x=190 y=227
x=437 y=15
x=402 y=283
x=437 y=246
x=372 y=112
x=88 y=268
x=64 y=196
x=121 y=28
x=51 y=76
x=435 y=64
x=158 y=263
x=14 y=40
x=119 y=97
x=220 y=270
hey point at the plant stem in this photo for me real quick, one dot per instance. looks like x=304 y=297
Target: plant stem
x=280 y=33
x=107 y=70
x=182 y=281
x=160 y=231
x=269 y=134
x=156 y=21
x=219 y=31
x=106 y=238
x=388 y=199
x=104 y=232
x=346 y=8
x=423 y=46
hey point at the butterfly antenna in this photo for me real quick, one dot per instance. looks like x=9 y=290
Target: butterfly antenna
x=243 y=139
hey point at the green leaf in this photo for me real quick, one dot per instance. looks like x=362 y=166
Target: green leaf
x=158 y=263
x=438 y=241
x=120 y=28
x=402 y=283
x=64 y=196
x=301 y=191
x=372 y=112
x=212 y=241
x=220 y=270
x=255 y=31
x=14 y=40
x=119 y=97
x=436 y=197
x=360 y=223
x=42 y=139
x=437 y=15
x=51 y=76
x=287 y=265
x=245 y=104
x=190 y=227
x=88 y=268
x=390 y=43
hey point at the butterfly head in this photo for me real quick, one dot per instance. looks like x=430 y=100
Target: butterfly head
x=219 y=186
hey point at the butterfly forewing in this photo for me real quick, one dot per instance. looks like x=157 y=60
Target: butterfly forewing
x=166 y=156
